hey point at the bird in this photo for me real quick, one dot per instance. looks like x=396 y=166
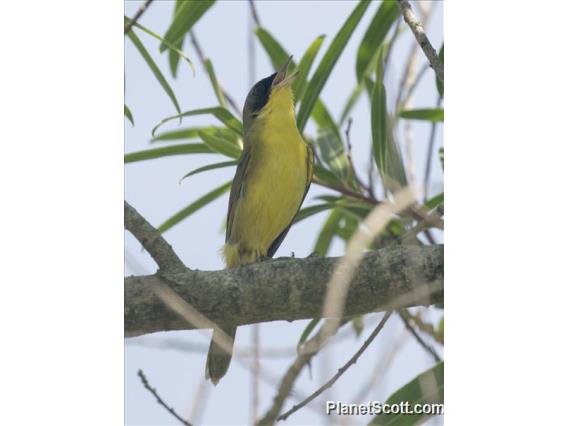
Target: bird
x=272 y=179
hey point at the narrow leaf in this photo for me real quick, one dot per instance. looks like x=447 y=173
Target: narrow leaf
x=307 y=331
x=173 y=56
x=220 y=113
x=299 y=85
x=440 y=84
x=215 y=83
x=385 y=149
x=435 y=201
x=155 y=70
x=149 y=154
x=128 y=114
x=429 y=114
x=219 y=144
x=326 y=65
x=193 y=207
x=278 y=56
x=426 y=388
x=209 y=167
x=312 y=210
x=375 y=35
x=190 y=11
x=327 y=232
x=171 y=47
x=189 y=133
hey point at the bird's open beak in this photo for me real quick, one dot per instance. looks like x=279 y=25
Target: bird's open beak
x=281 y=80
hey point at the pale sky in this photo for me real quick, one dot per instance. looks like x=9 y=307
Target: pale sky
x=152 y=188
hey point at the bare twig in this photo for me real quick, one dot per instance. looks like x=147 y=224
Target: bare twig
x=346 y=191
x=136 y=17
x=434 y=127
x=152 y=241
x=284 y=390
x=425 y=327
x=360 y=184
x=203 y=59
x=421 y=38
x=160 y=400
x=340 y=372
x=418 y=338
x=381 y=367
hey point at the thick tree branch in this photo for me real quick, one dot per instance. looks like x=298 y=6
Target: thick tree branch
x=152 y=240
x=421 y=38
x=287 y=289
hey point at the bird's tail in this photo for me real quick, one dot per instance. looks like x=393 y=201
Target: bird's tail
x=218 y=360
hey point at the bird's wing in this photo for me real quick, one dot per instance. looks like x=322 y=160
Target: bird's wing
x=237 y=189
x=310 y=171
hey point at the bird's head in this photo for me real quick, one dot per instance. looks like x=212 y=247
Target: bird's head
x=264 y=94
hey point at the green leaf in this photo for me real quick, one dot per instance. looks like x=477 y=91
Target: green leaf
x=312 y=210
x=441 y=155
x=219 y=144
x=327 y=232
x=351 y=102
x=149 y=154
x=278 y=56
x=435 y=201
x=375 y=35
x=385 y=149
x=215 y=83
x=307 y=331
x=171 y=47
x=193 y=207
x=220 y=113
x=128 y=114
x=326 y=65
x=427 y=387
x=209 y=167
x=155 y=70
x=173 y=57
x=190 y=11
x=325 y=176
x=299 y=85
x=188 y=133
x=429 y=114
x=440 y=84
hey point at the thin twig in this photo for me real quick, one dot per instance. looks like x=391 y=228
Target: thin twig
x=306 y=353
x=254 y=13
x=421 y=38
x=160 y=400
x=152 y=240
x=425 y=327
x=409 y=76
x=346 y=191
x=418 y=338
x=430 y=152
x=350 y=157
x=340 y=372
x=136 y=17
x=203 y=59
x=381 y=368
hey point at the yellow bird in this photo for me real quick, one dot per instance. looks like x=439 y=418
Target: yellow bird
x=272 y=178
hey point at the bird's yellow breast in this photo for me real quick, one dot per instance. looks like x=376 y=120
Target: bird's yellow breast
x=275 y=182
